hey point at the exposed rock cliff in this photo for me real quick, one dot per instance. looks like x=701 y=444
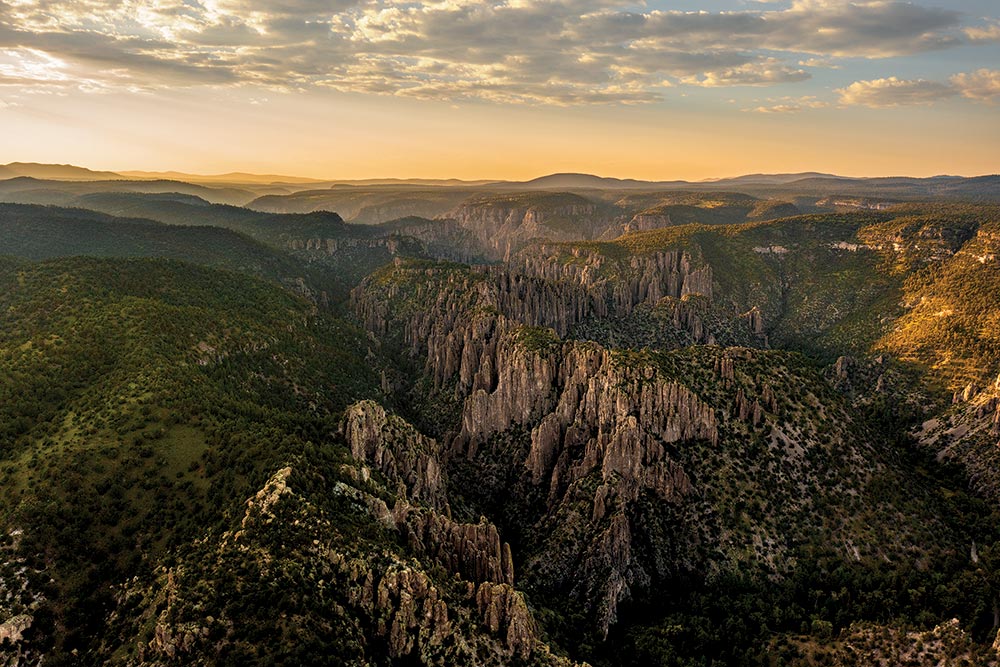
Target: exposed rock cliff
x=543 y=292
x=398 y=451
x=623 y=283
x=375 y=606
x=505 y=223
x=620 y=447
x=968 y=433
x=410 y=462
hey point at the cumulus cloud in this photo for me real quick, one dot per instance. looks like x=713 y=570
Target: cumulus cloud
x=826 y=63
x=790 y=105
x=549 y=51
x=982 y=85
x=894 y=92
x=764 y=73
x=985 y=33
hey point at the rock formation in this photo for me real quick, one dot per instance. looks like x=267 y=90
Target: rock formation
x=398 y=451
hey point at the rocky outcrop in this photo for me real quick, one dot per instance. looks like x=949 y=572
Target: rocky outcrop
x=411 y=465
x=261 y=506
x=589 y=413
x=505 y=223
x=12 y=630
x=538 y=291
x=965 y=395
x=609 y=417
x=688 y=318
x=593 y=415
x=442 y=239
x=621 y=283
x=640 y=222
x=755 y=320
x=395 y=603
x=504 y=612
x=413 y=617
x=177 y=642
x=398 y=451
x=333 y=246
x=472 y=551
x=747 y=411
x=577 y=394
x=644 y=222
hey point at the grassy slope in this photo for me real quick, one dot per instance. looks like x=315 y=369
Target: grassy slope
x=142 y=401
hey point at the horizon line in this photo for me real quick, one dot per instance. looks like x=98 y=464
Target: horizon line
x=481 y=180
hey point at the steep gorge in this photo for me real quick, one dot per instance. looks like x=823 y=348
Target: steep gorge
x=636 y=460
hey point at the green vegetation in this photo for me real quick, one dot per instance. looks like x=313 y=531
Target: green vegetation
x=155 y=375
x=537 y=339
x=142 y=401
x=275 y=247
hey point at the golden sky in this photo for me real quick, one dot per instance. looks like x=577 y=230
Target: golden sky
x=516 y=89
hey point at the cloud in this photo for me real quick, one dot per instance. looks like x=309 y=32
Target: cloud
x=872 y=29
x=826 y=63
x=790 y=105
x=764 y=73
x=982 y=85
x=985 y=33
x=894 y=92
x=527 y=51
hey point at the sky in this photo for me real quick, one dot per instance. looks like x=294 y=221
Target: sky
x=508 y=89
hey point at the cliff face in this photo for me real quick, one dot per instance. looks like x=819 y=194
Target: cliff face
x=590 y=420
x=640 y=222
x=408 y=460
x=374 y=604
x=592 y=414
x=639 y=466
x=410 y=463
x=504 y=224
x=443 y=239
x=540 y=289
x=623 y=283
x=968 y=433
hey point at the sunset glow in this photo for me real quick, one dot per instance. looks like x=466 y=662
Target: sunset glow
x=515 y=89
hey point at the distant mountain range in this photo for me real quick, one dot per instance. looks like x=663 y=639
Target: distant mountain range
x=61 y=172
x=231 y=177
x=572 y=181
x=68 y=172
x=575 y=181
